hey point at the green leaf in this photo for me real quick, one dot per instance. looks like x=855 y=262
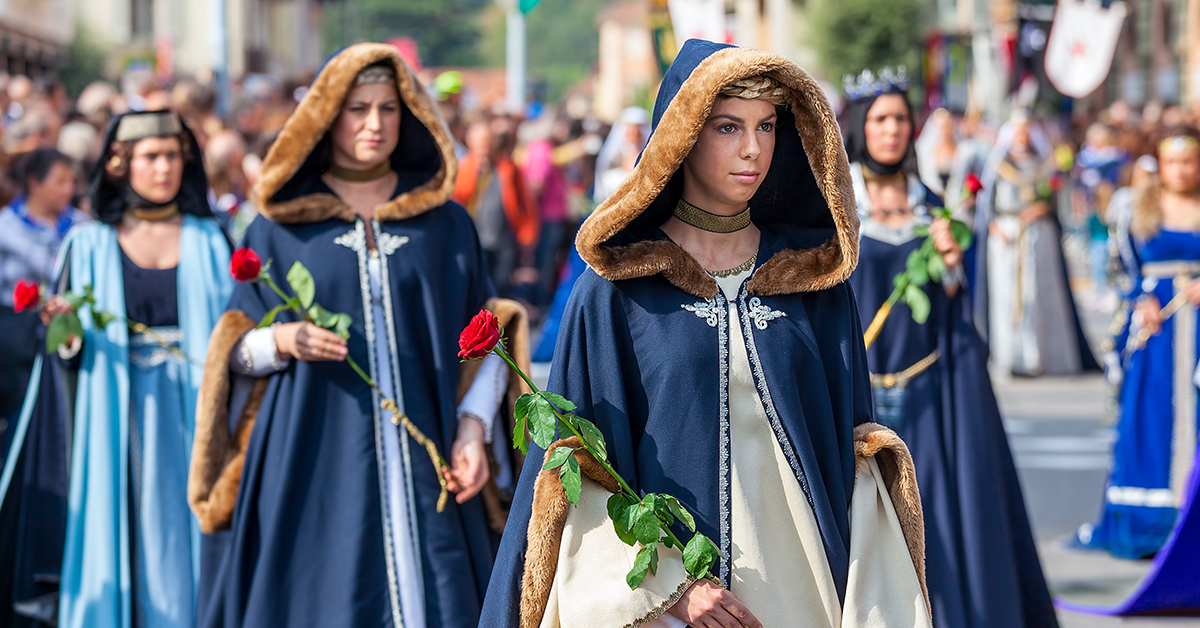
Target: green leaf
x=921 y=230
x=74 y=300
x=918 y=302
x=322 y=317
x=302 y=284
x=101 y=318
x=661 y=509
x=341 y=326
x=962 y=234
x=560 y=401
x=558 y=457
x=645 y=522
x=699 y=555
x=592 y=437
x=269 y=318
x=572 y=480
x=915 y=266
x=542 y=422
x=937 y=267
x=521 y=411
x=618 y=504
x=58 y=331
x=681 y=513
x=641 y=565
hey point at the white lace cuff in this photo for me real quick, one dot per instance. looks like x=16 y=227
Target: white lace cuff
x=256 y=354
x=486 y=394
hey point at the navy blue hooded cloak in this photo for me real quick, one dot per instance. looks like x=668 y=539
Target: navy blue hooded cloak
x=652 y=374
x=291 y=493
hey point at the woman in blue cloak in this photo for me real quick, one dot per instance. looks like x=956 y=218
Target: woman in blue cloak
x=155 y=255
x=1157 y=414
x=321 y=511
x=715 y=343
x=931 y=383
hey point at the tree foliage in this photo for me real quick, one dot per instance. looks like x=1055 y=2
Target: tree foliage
x=447 y=31
x=562 y=43
x=853 y=35
x=87 y=59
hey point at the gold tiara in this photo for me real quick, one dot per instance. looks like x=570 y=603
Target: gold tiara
x=138 y=126
x=1179 y=142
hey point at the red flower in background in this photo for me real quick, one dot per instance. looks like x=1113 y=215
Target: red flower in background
x=245 y=265
x=1056 y=182
x=26 y=295
x=480 y=336
x=973 y=184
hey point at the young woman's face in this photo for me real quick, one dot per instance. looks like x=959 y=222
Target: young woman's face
x=156 y=169
x=732 y=154
x=888 y=129
x=1179 y=168
x=367 y=130
x=56 y=189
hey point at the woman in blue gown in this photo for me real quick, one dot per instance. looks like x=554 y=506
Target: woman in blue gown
x=320 y=509
x=1156 y=430
x=931 y=384
x=154 y=256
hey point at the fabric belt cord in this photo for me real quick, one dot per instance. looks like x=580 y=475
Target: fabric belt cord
x=891 y=380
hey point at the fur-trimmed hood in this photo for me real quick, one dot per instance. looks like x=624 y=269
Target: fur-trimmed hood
x=806 y=194
x=289 y=190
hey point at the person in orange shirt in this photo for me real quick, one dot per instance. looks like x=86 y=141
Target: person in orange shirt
x=494 y=191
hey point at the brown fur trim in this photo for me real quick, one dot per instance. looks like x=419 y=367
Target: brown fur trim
x=900 y=476
x=217 y=455
x=515 y=322
x=672 y=140
x=313 y=117
x=546 y=528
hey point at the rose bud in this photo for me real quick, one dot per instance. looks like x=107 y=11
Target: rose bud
x=26 y=295
x=973 y=184
x=480 y=336
x=245 y=265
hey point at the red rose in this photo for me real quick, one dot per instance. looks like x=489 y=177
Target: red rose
x=26 y=295
x=480 y=336
x=1056 y=182
x=245 y=265
x=973 y=184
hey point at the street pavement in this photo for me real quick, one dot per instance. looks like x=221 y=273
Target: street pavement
x=1061 y=439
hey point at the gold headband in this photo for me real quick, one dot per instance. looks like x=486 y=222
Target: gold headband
x=1178 y=143
x=138 y=126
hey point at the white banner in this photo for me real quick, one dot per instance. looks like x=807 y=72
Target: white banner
x=697 y=19
x=1082 y=43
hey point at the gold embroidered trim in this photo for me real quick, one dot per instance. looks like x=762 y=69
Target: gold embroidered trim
x=709 y=221
x=736 y=270
x=891 y=380
x=370 y=174
x=662 y=608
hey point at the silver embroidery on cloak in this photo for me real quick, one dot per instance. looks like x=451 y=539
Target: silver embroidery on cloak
x=356 y=240
x=394 y=242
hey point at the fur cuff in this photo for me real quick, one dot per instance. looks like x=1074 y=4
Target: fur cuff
x=900 y=475
x=546 y=528
x=217 y=455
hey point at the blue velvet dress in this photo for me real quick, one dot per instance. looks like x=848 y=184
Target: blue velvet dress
x=981 y=562
x=1156 y=433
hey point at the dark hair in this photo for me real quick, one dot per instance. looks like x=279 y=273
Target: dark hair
x=36 y=165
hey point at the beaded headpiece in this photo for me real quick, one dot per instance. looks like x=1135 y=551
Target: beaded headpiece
x=140 y=125
x=867 y=84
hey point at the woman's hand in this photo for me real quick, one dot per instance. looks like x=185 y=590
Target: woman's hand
x=706 y=605
x=469 y=470
x=1193 y=291
x=1034 y=212
x=52 y=307
x=995 y=231
x=1150 y=313
x=305 y=341
x=944 y=242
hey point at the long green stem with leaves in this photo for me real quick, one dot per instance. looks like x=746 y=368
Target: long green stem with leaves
x=646 y=520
